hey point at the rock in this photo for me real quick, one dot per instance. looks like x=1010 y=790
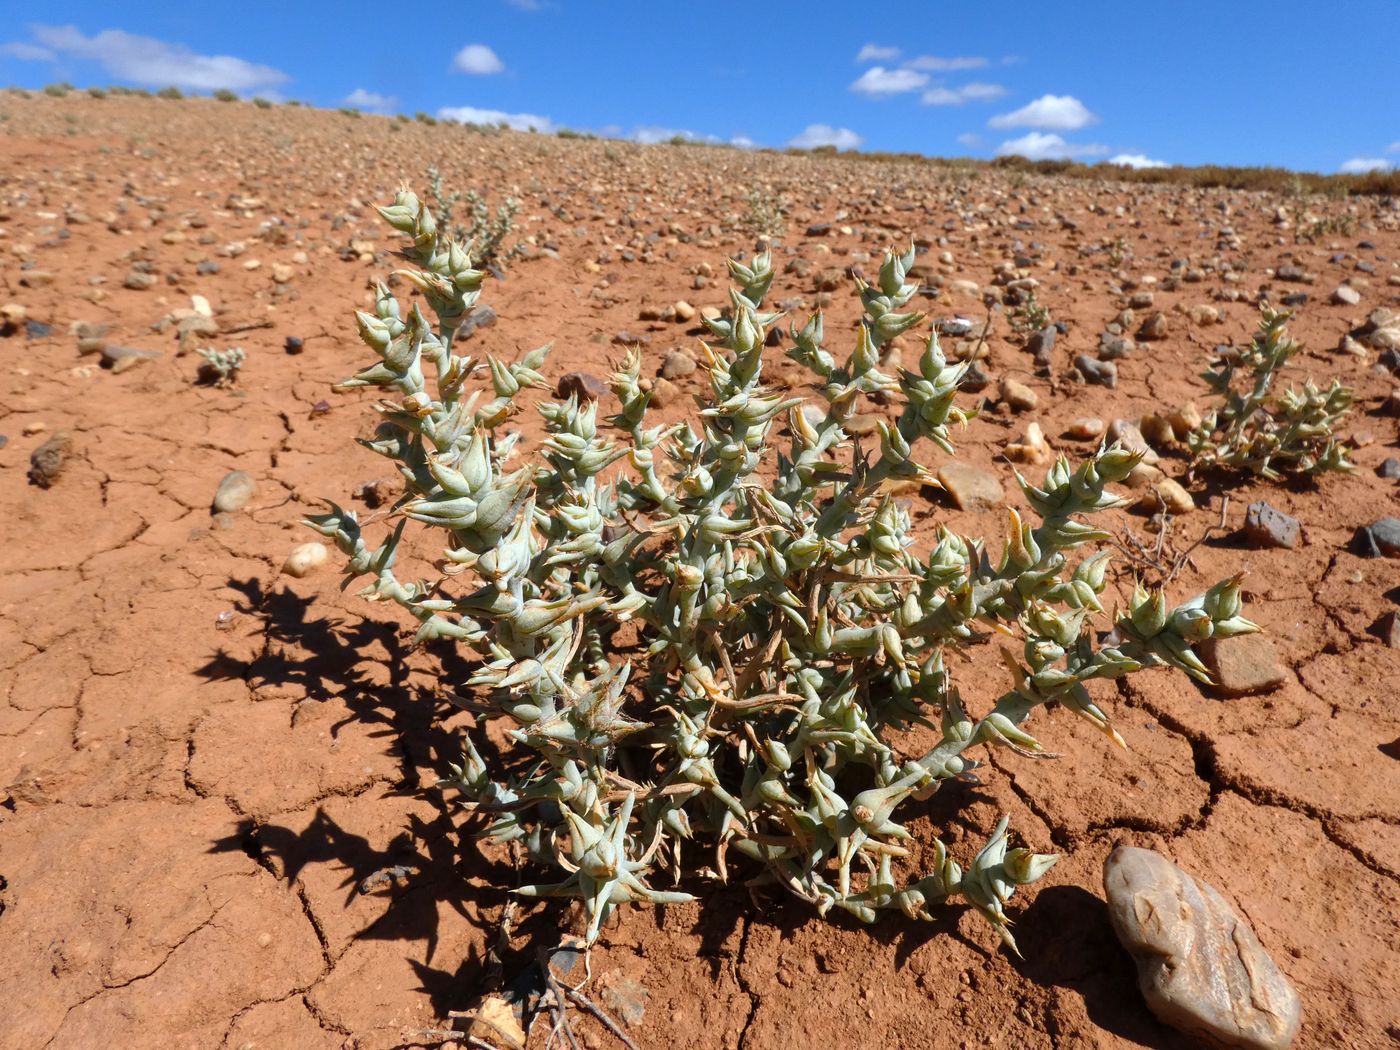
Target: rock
x=1042 y=345
x=1031 y=448
x=305 y=559
x=1389 y=629
x=969 y=487
x=12 y=315
x=1389 y=468
x=37 y=329
x=583 y=385
x=46 y=462
x=138 y=281
x=120 y=358
x=1346 y=295
x=684 y=311
x=1243 y=665
x=663 y=392
x=818 y=229
x=1266 y=526
x=1085 y=429
x=676 y=364
x=861 y=425
x=1379 y=540
x=1200 y=968
x=975 y=379
x=235 y=492
x=1154 y=326
x=1184 y=420
x=293 y=345
x=1099 y=373
x=1168 y=495
x=1126 y=433
x=1017 y=396
x=1157 y=430
x=1112 y=347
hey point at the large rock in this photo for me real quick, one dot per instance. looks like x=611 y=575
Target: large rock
x=1242 y=665
x=1200 y=968
x=970 y=488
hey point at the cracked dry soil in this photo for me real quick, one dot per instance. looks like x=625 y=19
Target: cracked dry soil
x=202 y=760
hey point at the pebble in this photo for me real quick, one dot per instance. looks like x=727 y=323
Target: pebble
x=1126 y=433
x=1154 y=326
x=1243 y=665
x=46 y=462
x=293 y=345
x=663 y=392
x=1389 y=468
x=235 y=492
x=684 y=311
x=1098 y=373
x=1018 y=396
x=138 y=281
x=305 y=559
x=1266 y=526
x=1346 y=295
x=1112 y=347
x=583 y=385
x=1031 y=448
x=1041 y=344
x=1390 y=629
x=1168 y=495
x=1379 y=540
x=1201 y=969
x=975 y=379
x=676 y=364
x=969 y=487
x=1086 y=428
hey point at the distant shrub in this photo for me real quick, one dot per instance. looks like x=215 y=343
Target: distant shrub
x=97 y=92
x=425 y=118
x=262 y=103
x=58 y=90
x=350 y=111
x=225 y=95
x=171 y=92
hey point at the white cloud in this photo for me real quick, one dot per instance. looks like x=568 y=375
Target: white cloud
x=145 y=60
x=1136 y=160
x=974 y=92
x=877 y=81
x=814 y=135
x=1037 y=145
x=1394 y=147
x=876 y=53
x=1364 y=165
x=515 y=121
x=970 y=139
x=27 y=52
x=935 y=64
x=743 y=142
x=478 y=60
x=1052 y=112
x=370 y=100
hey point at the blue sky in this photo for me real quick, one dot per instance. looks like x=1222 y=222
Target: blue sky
x=1305 y=86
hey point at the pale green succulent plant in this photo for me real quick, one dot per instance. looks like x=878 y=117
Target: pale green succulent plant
x=780 y=629
x=1257 y=430
x=220 y=367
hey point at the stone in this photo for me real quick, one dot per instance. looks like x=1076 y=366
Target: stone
x=676 y=364
x=684 y=311
x=969 y=487
x=1085 y=428
x=1041 y=344
x=293 y=345
x=1389 y=629
x=1126 y=433
x=1201 y=969
x=1389 y=468
x=1017 y=396
x=1167 y=494
x=1031 y=448
x=138 y=281
x=235 y=492
x=975 y=379
x=1154 y=326
x=1112 y=347
x=1098 y=373
x=37 y=329
x=1242 y=665
x=305 y=559
x=1266 y=526
x=583 y=385
x=1380 y=539
x=1346 y=295
x=663 y=392
x=861 y=424
x=46 y=462
x=120 y=358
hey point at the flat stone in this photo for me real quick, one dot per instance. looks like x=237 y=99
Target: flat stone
x=583 y=385
x=1154 y=326
x=675 y=364
x=1201 y=969
x=1389 y=468
x=1086 y=428
x=235 y=492
x=1346 y=295
x=1127 y=433
x=1244 y=665
x=1379 y=540
x=1017 y=396
x=1112 y=347
x=663 y=392
x=1266 y=526
x=969 y=487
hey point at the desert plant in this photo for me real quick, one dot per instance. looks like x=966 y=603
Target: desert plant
x=97 y=92
x=1254 y=429
x=717 y=647
x=1031 y=315
x=171 y=92
x=261 y=102
x=766 y=213
x=220 y=367
x=59 y=90
x=485 y=236
x=225 y=95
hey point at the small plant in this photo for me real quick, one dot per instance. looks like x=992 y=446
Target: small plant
x=59 y=90
x=171 y=92
x=97 y=92
x=262 y=103
x=1031 y=315
x=702 y=656
x=766 y=214
x=485 y=237
x=220 y=367
x=225 y=95
x=424 y=118
x=350 y=111
x=1257 y=430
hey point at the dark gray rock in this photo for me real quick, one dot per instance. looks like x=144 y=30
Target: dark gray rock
x=1266 y=526
x=1378 y=540
x=1041 y=344
x=1099 y=373
x=1389 y=468
x=46 y=462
